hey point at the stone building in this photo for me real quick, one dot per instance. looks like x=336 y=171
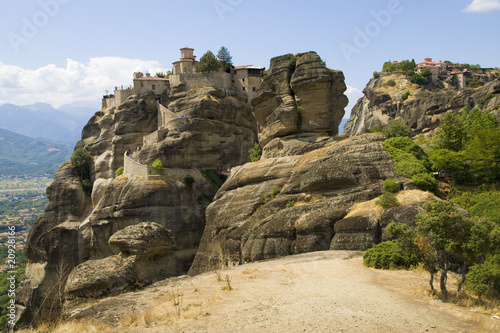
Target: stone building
x=146 y=83
x=187 y=64
x=436 y=68
x=247 y=78
x=185 y=71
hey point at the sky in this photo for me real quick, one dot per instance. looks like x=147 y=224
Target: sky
x=71 y=51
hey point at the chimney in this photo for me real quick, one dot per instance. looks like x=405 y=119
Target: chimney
x=148 y=74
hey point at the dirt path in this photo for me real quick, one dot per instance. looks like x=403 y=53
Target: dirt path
x=314 y=292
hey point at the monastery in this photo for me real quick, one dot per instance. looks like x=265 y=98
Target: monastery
x=185 y=71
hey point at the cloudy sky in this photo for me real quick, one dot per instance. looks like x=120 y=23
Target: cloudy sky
x=72 y=51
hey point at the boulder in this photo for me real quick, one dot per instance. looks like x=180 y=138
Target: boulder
x=146 y=256
x=145 y=239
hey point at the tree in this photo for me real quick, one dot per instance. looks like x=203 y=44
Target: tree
x=455 y=238
x=388 y=67
x=208 y=62
x=441 y=225
x=225 y=58
x=82 y=162
x=396 y=128
x=451 y=135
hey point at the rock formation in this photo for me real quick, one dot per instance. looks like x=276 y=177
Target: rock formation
x=422 y=111
x=308 y=179
x=312 y=192
x=145 y=257
x=77 y=234
x=299 y=97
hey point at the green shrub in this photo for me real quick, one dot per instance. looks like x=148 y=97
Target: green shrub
x=396 y=128
x=158 y=165
x=119 y=171
x=405 y=95
x=390 y=185
x=290 y=204
x=374 y=129
x=376 y=75
x=189 y=180
x=390 y=83
x=480 y=101
x=255 y=152
x=410 y=158
x=409 y=168
x=425 y=182
x=270 y=196
x=486 y=203
x=293 y=62
x=387 y=200
x=484 y=279
x=389 y=255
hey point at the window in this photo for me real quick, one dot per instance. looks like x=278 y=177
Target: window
x=153 y=87
x=142 y=84
x=253 y=88
x=233 y=81
x=243 y=88
x=243 y=79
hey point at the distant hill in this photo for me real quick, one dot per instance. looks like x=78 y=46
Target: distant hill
x=43 y=121
x=21 y=155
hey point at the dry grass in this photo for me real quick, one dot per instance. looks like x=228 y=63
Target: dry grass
x=250 y=271
x=412 y=196
x=366 y=208
x=404 y=197
x=81 y=326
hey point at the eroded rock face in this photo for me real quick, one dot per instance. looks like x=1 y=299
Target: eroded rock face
x=212 y=128
x=316 y=190
x=422 y=112
x=303 y=98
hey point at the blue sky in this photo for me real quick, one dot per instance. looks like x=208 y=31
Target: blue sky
x=71 y=51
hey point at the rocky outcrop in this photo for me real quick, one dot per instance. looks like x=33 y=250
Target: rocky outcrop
x=424 y=109
x=311 y=193
x=145 y=257
x=214 y=128
x=210 y=128
x=299 y=97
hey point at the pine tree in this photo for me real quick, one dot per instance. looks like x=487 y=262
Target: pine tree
x=208 y=62
x=225 y=58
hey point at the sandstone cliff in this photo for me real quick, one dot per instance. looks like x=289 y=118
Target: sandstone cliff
x=424 y=108
x=307 y=180
x=189 y=130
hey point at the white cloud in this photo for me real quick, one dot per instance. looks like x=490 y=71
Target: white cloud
x=482 y=6
x=353 y=94
x=76 y=83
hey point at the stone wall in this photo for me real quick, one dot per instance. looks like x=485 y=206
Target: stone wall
x=120 y=97
x=198 y=80
x=132 y=168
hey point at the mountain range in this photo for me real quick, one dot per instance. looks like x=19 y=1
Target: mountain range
x=41 y=120
x=22 y=155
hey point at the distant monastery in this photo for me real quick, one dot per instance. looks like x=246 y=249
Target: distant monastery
x=185 y=71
